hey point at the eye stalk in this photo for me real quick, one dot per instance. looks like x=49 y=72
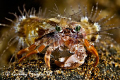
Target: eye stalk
x=58 y=28
x=77 y=28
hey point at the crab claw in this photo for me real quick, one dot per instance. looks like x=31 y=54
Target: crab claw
x=69 y=62
x=92 y=50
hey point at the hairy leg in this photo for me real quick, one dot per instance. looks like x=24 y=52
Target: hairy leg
x=28 y=49
x=48 y=53
x=33 y=52
x=91 y=49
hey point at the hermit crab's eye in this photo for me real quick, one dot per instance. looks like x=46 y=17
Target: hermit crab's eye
x=77 y=28
x=58 y=28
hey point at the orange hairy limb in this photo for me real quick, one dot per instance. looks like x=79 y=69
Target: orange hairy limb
x=47 y=58
x=48 y=53
x=92 y=50
x=32 y=47
x=32 y=52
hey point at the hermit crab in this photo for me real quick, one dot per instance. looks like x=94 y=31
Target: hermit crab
x=63 y=32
